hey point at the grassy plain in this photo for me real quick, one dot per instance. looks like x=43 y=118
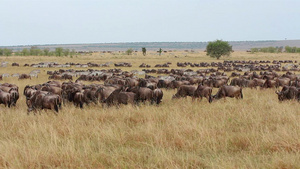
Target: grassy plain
x=256 y=132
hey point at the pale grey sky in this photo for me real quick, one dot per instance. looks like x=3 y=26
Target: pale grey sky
x=33 y=22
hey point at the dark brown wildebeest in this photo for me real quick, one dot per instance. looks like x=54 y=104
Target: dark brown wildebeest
x=184 y=91
x=288 y=93
x=118 y=97
x=146 y=83
x=14 y=96
x=5 y=98
x=142 y=93
x=79 y=99
x=29 y=91
x=54 y=83
x=90 y=94
x=219 y=82
x=103 y=92
x=157 y=95
x=176 y=84
x=259 y=82
x=229 y=91
x=269 y=84
x=55 y=77
x=203 y=91
x=15 y=64
x=282 y=82
x=52 y=89
x=44 y=100
x=67 y=77
x=24 y=76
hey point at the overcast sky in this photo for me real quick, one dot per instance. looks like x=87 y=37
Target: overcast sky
x=32 y=22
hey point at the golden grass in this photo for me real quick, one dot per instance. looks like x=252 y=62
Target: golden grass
x=256 y=132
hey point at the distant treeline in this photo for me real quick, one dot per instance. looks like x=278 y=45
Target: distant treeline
x=271 y=49
x=35 y=51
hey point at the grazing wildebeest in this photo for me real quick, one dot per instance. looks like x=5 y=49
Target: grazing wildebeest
x=5 y=98
x=157 y=95
x=14 y=96
x=142 y=93
x=118 y=97
x=203 y=91
x=52 y=89
x=24 y=76
x=229 y=91
x=43 y=100
x=79 y=99
x=103 y=92
x=288 y=93
x=184 y=91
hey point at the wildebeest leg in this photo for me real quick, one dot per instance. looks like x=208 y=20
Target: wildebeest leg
x=56 y=108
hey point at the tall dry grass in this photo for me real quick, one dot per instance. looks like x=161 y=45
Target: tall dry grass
x=255 y=132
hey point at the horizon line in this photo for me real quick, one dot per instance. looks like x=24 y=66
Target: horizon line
x=145 y=42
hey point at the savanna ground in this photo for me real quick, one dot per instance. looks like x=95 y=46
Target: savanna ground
x=255 y=132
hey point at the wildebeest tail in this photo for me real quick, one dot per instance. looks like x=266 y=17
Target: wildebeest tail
x=80 y=101
x=209 y=97
x=56 y=104
x=9 y=100
x=241 y=90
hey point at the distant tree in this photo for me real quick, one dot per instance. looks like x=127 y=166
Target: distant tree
x=66 y=52
x=160 y=51
x=144 y=51
x=7 y=52
x=59 y=51
x=1 y=52
x=288 y=49
x=218 y=48
x=35 y=51
x=25 y=52
x=129 y=51
x=253 y=50
x=46 y=51
x=271 y=49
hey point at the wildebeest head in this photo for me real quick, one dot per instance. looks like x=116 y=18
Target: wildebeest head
x=281 y=95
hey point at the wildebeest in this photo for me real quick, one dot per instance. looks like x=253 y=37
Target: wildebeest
x=229 y=91
x=24 y=76
x=52 y=89
x=142 y=93
x=288 y=93
x=157 y=95
x=203 y=91
x=184 y=91
x=118 y=97
x=43 y=100
x=14 y=96
x=79 y=99
x=103 y=92
x=5 y=98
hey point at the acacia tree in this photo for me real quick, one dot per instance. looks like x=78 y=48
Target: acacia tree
x=46 y=51
x=218 y=48
x=7 y=52
x=160 y=51
x=59 y=51
x=129 y=51
x=144 y=51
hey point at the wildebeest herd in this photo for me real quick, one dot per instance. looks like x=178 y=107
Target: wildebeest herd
x=123 y=87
